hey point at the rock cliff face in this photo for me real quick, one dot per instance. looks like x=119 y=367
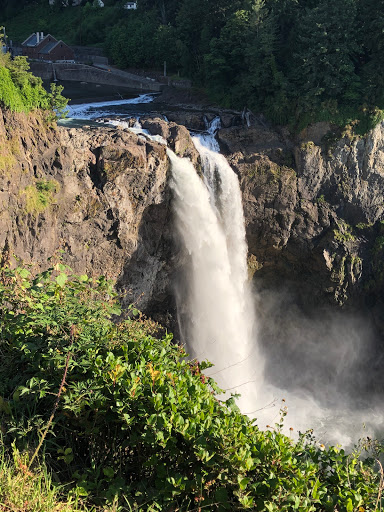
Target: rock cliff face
x=314 y=209
x=98 y=194
x=313 y=206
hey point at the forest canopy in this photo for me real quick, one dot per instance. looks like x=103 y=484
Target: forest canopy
x=296 y=61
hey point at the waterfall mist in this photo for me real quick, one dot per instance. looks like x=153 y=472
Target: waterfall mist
x=324 y=363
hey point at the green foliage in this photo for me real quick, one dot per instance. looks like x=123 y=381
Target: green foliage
x=325 y=48
x=371 y=39
x=344 y=233
x=22 y=490
x=363 y=225
x=58 y=102
x=379 y=244
x=137 y=424
x=132 y=43
x=9 y=94
x=40 y=195
x=321 y=199
x=21 y=91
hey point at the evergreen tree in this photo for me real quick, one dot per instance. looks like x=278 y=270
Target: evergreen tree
x=371 y=38
x=325 y=55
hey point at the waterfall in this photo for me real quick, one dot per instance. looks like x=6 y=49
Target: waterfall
x=216 y=313
x=215 y=307
x=100 y=109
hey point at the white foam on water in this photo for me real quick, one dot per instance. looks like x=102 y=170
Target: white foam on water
x=104 y=108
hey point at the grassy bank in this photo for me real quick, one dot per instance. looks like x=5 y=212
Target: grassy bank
x=25 y=490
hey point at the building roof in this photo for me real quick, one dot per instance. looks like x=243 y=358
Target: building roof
x=32 y=40
x=48 y=47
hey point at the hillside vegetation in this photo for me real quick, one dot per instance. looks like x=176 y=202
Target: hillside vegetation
x=123 y=418
x=295 y=60
x=21 y=91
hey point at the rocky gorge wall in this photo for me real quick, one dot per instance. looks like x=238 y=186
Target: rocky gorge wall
x=313 y=206
x=314 y=210
x=99 y=195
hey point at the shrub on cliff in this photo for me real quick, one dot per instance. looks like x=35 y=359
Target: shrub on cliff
x=21 y=91
x=126 y=418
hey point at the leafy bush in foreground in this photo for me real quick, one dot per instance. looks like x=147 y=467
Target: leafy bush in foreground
x=136 y=423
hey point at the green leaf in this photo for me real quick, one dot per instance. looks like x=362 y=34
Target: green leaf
x=221 y=495
x=81 y=491
x=243 y=482
x=249 y=463
x=246 y=501
x=108 y=472
x=61 y=279
x=24 y=273
x=116 y=310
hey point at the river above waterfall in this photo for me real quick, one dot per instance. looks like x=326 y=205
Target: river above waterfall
x=85 y=110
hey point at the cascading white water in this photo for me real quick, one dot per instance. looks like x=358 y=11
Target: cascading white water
x=103 y=108
x=216 y=302
x=218 y=322
x=217 y=314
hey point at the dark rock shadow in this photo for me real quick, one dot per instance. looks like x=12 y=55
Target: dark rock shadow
x=147 y=278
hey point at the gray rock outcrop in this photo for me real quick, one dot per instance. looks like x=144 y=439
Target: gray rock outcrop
x=314 y=210
x=98 y=194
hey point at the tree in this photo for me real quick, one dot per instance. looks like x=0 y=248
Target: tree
x=371 y=38
x=58 y=102
x=226 y=61
x=325 y=54
x=242 y=68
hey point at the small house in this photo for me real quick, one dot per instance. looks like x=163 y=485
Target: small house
x=130 y=5
x=56 y=50
x=33 y=43
x=38 y=46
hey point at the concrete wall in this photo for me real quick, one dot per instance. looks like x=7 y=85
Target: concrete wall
x=87 y=50
x=86 y=55
x=42 y=69
x=92 y=59
x=180 y=84
x=84 y=73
